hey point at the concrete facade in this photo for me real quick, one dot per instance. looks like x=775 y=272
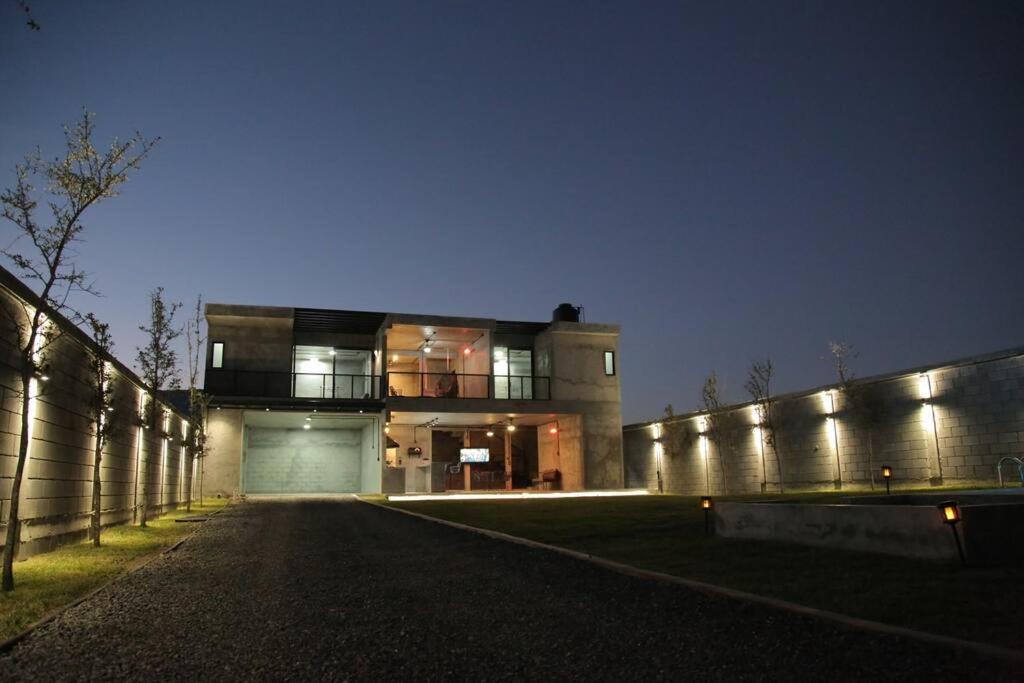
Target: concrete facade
x=946 y=423
x=138 y=464
x=564 y=387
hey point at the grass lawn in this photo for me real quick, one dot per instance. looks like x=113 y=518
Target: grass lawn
x=666 y=534
x=47 y=581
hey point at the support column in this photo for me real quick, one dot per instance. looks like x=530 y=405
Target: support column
x=508 y=460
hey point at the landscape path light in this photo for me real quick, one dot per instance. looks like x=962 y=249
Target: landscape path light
x=706 y=504
x=951 y=516
x=887 y=475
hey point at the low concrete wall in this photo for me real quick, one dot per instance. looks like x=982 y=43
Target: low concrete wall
x=991 y=530
x=909 y=531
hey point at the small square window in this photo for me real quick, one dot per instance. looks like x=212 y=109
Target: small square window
x=218 y=354
x=609 y=363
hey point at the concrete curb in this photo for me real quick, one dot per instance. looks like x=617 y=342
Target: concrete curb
x=850 y=622
x=7 y=645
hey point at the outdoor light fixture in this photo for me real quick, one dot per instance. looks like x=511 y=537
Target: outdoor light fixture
x=887 y=475
x=951 y=516
x=706 y=504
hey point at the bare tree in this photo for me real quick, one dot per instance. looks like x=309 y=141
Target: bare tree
x=158 y=364
x=29 y=19
x=198 y=400
x=81 y=178
x=722 y=425
x=100 y=406
x=759 y=386
x=863 y=405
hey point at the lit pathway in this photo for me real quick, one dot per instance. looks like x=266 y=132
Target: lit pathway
x=340 y=589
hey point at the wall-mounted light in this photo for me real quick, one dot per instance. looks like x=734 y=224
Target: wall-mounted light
x=266 y=410
x=466 y=351
x=490 y=433
x=333 y=352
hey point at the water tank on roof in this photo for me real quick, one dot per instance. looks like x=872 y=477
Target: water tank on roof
x=566 y=313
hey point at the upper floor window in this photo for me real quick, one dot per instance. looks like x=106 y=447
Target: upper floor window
x=218 y=355
x=609 y=363
x=513 y=373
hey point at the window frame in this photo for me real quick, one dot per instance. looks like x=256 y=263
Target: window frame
x=213 y=355
x=609 y=355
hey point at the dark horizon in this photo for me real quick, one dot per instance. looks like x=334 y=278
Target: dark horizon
x=725 y=182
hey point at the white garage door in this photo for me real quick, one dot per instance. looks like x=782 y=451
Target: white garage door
x=302 y=461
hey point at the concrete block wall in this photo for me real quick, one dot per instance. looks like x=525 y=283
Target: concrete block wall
x=949 y=423
x=56 y=493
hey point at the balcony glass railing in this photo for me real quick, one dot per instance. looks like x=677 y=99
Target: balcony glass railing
x=269 y=384
x=291 y=384
x=456 y=385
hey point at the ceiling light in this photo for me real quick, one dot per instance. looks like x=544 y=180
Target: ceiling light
x=511 y=428
x=333 y=352
x=426 y=349
x=308 y=419
x=305 y=426
x=553 y=430
x=490 y=432
x=266 y=410
x=467 y=351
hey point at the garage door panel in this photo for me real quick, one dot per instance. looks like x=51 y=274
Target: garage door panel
x=302 y=461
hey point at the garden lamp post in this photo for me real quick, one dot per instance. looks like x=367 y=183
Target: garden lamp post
x=951 y=516
x=706 y=505
x=887 y=475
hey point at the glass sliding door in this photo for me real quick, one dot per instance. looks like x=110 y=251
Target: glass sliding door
x=513 y=373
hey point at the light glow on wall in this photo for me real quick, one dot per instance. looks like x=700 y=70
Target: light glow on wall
x=924 y=386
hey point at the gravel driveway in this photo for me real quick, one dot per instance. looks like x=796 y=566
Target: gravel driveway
x=339 y=589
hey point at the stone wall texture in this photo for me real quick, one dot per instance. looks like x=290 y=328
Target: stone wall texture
x=950 y=423
x=138 y=466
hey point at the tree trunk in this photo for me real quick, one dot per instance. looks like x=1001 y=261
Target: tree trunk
x=144 y=477
x=13 y=521
x=725 y=478
x=94 y=530
x=778 y=461
x=188 y=479
x=871 y=456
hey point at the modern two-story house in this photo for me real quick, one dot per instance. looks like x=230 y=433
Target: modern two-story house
x=332 y=401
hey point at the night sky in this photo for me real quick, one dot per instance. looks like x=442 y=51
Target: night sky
x=725 y=180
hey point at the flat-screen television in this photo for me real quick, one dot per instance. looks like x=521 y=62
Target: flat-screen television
x=474 y=454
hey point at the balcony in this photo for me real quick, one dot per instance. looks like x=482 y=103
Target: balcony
x=270 y=384
x=464 y=385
